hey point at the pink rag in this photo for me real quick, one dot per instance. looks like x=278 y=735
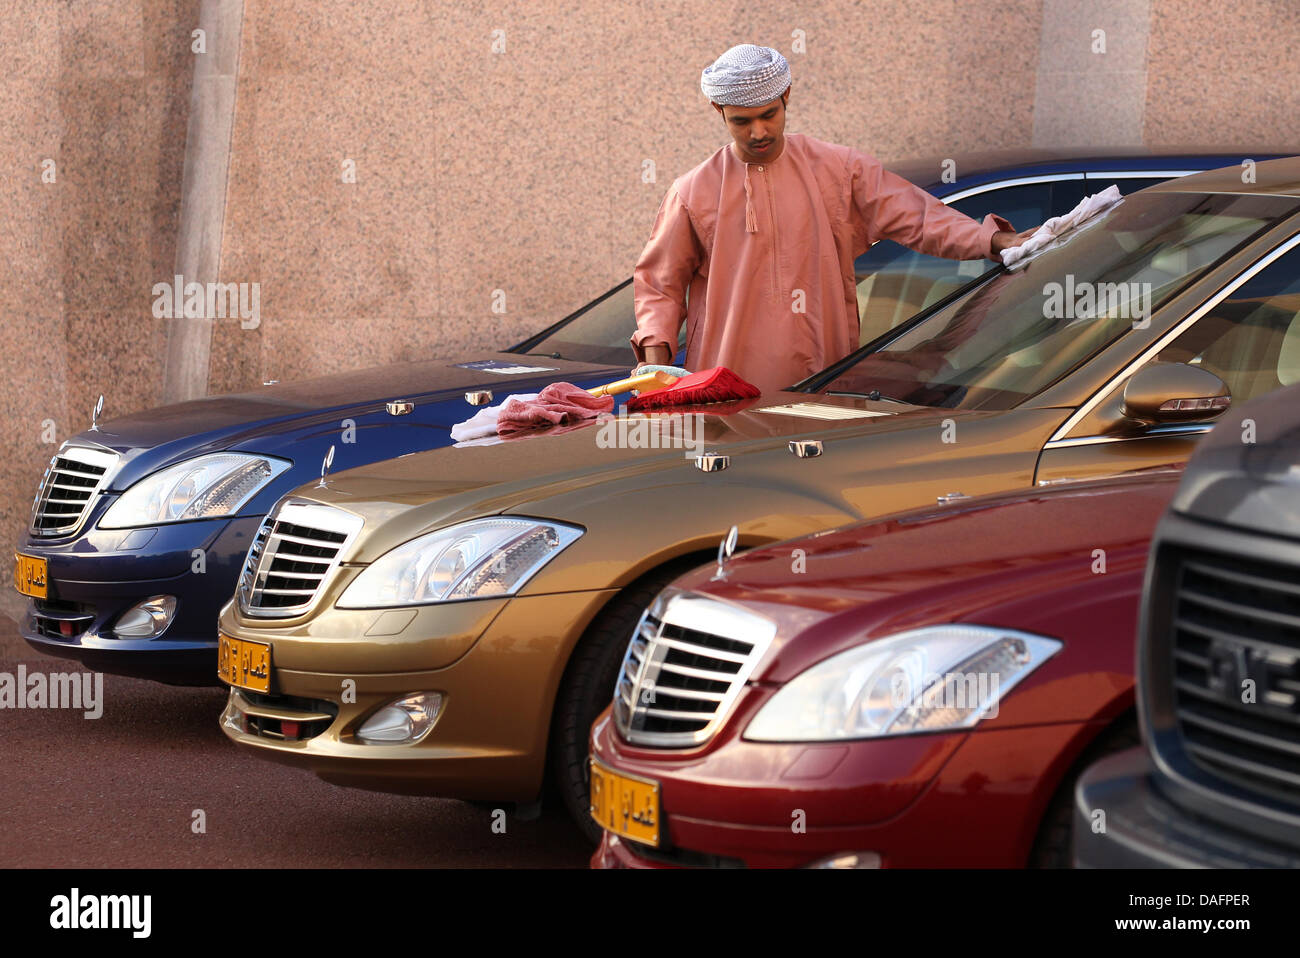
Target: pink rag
x=556 y=404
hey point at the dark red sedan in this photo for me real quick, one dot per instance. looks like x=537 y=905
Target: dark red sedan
x=918 y=691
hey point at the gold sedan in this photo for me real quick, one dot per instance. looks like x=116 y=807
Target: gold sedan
x=451 y=622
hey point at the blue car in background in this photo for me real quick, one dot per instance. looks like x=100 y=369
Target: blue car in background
x=141 y=524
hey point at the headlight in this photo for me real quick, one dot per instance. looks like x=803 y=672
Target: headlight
x=201 y=488
x=484 y=557
x=927 y=680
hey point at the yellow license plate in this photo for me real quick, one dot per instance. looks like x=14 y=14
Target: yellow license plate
x=626 y=806
x=244 y=663
x=30 y=576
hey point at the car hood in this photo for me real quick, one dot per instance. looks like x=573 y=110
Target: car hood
x=947 y=564
x=400 y=498
x=1246 y=472
x=272 y=419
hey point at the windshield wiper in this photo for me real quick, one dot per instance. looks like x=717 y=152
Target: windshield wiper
x=553 y=355
x=875 y=396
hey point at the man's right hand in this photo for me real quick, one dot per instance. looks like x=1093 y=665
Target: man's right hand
x=658 y=355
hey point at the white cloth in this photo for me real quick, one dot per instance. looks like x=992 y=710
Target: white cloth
x=1088 y=207
x=484 y=422
x=677 y=371
x=746 y=75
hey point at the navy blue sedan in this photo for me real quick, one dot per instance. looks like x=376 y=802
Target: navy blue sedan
x=141 y=523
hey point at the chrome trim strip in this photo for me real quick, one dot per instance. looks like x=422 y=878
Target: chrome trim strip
x=1188 y=429
x=1002 y=184
x=1178 y=329
x=1141 y=174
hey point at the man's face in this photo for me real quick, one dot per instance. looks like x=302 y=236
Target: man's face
x=759 y=131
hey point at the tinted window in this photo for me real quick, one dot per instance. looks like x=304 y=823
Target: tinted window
x=1251 y=339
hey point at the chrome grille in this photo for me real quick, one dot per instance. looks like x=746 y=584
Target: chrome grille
x=292 y=555
x=685 y=666
x=1236 y=637
x=68 y=489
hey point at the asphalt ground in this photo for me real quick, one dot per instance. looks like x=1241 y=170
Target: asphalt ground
x=121 y=791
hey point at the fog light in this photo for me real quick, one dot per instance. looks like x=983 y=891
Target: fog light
x=403 y=722
x=849 y=860
x=147 y=620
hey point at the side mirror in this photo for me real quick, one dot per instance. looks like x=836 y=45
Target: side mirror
x=1173 y=393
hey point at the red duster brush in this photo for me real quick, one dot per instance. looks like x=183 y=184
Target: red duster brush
x=718 y=384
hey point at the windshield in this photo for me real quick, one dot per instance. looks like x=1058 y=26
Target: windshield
x=599 y=333
x=1026 y=328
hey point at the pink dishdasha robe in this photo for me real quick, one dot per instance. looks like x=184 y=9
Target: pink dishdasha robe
x=766 y=251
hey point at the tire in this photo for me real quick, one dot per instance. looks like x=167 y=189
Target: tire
x=588 y=686
x=1052 y=846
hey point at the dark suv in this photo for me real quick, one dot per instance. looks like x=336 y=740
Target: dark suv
x=1218 y=781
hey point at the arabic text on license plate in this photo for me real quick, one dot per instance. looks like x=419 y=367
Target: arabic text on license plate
x=626 y=806
x=244 y=663
x=30 y=576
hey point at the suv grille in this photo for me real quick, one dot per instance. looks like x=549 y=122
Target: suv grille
x=293 y=553
x=1236 y=634
x=686 y=665
x=68 y=489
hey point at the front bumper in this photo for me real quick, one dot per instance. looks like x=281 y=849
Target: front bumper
x=497 y=663
x=98 y=576
x=1121 y=820
x=964 y=799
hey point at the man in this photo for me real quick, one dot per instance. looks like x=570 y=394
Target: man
x=763 y=235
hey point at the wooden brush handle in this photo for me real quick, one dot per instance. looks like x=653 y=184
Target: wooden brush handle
x=648 y=382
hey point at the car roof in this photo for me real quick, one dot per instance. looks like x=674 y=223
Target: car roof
x=1272 y=178
x=980 y=165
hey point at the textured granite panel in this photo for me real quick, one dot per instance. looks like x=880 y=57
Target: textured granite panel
x=30 y=209
x=1092 y=75
x=235 y=360
x=1224 y=75
x=1091 y=110
x=1068 y=29
x=166 y=38
x=107 y=153
x=29 y=39
x=342 y=37
x=517 y=212
x=102 y=38
x=324 y=246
